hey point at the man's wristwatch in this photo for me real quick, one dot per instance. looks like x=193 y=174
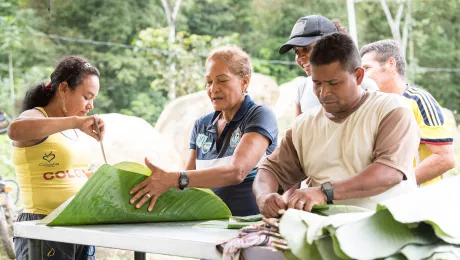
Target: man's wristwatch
x=328 y=189
x=183 y=180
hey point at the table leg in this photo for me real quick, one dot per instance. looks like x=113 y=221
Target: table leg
x=139 y=256
x=35 y=249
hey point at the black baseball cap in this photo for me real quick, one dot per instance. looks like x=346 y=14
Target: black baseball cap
x=308 y=30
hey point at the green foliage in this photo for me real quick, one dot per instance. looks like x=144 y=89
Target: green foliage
x=6 y=165
x=181 y=62
x=140 y=78
x=260 y=27
x=144 y=100
x=438 y=47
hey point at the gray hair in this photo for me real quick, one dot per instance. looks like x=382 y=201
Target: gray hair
x=237 y=60
x=384 y=50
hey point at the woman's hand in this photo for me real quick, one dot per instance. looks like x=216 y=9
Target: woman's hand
x=156 y=184
x=88 y=174
x=87 y=125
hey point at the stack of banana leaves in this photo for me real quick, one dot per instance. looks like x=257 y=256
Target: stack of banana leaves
x=424 y=224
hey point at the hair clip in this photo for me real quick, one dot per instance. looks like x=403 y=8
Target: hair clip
x=48 y=87
x=87 y=65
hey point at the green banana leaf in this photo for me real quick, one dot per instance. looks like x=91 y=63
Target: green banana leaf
x=432 y=204
x=294 y=231
x=396 y=257
x=328 y=210
x=239 y=222
x=251 y=218
x=380 y=236
x=234 y=222
x=415 y=251
x=104 y=199
x=326 y=248
x=445 y=256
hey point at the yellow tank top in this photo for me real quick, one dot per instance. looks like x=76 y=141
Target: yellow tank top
x=50 y=172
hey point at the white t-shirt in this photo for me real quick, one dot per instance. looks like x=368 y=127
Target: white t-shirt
x=306 y=98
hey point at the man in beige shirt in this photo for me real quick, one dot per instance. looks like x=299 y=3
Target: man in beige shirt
x=357 y=147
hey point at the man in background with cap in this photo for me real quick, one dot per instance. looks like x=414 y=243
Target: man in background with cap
x=384 y=62
x=306 y=31
x=357 y=147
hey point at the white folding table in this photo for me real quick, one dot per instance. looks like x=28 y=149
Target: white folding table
x=171 y=238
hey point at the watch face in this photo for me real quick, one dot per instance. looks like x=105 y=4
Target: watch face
x=327 y=186
x=183 y=181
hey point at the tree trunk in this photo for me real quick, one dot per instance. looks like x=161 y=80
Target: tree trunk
x=171 y=17
x=12 y=97
x=352 y=20
x=407 y=23
x=394 y=24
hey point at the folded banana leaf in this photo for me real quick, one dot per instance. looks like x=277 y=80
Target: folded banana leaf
x=237 y=222
x=432 y=204
x=422 y=224
x=104 y=199
x=234 y=222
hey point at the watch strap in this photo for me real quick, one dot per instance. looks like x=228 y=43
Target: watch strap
x=328 y=189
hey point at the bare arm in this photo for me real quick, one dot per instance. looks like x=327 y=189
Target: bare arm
x=264 y=183
x=20 y=129
x=281 y=168
x=191 y=161
x=441 y=160
x=32 y=126
x=375 y=179
x=268 y=200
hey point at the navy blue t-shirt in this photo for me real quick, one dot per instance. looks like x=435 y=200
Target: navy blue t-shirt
x=212 y=150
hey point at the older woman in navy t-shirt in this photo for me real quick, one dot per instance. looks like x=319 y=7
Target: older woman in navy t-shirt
x=226 y=146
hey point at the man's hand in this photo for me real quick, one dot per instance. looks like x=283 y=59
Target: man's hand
x=306 y=198
x=270 y=204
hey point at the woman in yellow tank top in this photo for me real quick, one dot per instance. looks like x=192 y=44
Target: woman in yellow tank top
x=51 y=164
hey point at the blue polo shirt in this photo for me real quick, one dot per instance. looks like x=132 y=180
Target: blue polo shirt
x=213 y=150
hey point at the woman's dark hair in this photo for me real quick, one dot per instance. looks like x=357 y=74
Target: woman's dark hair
x=71 y=69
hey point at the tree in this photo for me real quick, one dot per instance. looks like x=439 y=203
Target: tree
x=171 y=16
x=395 y=23
x=188 y=52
